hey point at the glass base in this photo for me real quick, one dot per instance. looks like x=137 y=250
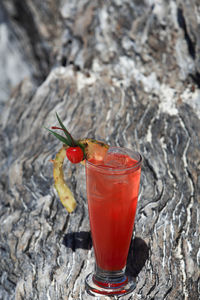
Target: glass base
x=95 y=286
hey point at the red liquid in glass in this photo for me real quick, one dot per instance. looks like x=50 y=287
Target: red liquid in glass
x=112 y=202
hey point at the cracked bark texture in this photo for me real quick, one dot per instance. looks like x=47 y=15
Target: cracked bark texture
x=128 y=73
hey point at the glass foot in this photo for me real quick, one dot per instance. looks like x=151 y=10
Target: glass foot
x=95 y=287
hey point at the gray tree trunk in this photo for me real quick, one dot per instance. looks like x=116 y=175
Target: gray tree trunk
x=125 y=72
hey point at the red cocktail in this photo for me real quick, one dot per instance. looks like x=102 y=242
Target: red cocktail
x=113 y=177
x=112 y=192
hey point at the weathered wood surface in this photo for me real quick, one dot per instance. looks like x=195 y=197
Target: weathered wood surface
x=127 y=72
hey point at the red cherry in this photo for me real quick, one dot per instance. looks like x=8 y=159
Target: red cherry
x=75 y=154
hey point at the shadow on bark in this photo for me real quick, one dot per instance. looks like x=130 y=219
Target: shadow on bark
x=77 y=240
x=137 y=256
x=138 y=251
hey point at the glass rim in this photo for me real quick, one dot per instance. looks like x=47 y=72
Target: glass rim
x=117 y=170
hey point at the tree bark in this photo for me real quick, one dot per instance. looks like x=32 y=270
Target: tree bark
x=127 y=73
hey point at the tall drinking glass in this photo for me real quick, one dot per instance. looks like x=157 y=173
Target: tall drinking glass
x=112 y=192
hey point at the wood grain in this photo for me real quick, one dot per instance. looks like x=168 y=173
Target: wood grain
x=125 y=72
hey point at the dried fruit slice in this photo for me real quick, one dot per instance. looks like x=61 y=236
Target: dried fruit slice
x=64 y=193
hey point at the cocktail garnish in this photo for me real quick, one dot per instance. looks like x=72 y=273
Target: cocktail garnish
x=76 y=151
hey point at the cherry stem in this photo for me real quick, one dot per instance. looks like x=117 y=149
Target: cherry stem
x=55 y=127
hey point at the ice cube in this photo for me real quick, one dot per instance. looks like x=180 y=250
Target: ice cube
x=116 y=158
